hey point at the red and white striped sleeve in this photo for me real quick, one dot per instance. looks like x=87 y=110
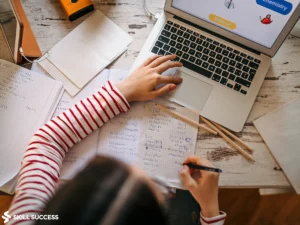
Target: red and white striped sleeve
x=217 y=220
x=40 y=172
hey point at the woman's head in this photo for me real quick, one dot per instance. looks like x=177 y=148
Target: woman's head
x=107 y=192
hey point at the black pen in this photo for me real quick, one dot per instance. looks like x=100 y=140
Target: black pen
x=206 y=168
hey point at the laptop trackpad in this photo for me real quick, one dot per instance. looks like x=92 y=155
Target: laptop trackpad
x=192 y=92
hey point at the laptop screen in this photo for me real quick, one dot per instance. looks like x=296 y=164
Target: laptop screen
x=260 y=21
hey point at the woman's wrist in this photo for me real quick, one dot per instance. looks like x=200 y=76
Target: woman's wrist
x=210 y=210
x=125 y=91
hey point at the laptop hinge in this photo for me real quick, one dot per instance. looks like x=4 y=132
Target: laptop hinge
x=217 y=35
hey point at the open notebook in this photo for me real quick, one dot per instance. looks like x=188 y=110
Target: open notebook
x=27 y=101
x=144 y=136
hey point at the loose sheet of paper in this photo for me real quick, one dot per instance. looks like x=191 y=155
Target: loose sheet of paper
x=27 y=100
x=280 y=130
x=166 y=142
x=89 y=48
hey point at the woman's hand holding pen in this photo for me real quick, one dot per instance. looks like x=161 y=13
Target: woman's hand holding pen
x=139 y=86
x=205 y=188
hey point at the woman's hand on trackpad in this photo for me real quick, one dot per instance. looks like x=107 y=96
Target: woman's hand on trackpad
x=140 y=85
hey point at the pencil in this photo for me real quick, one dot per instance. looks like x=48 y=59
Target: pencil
x=206 y=168
x=185 y=119
x=245 y=154
x=234 y=137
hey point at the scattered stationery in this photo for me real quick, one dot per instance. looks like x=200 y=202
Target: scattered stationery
x=86 y=51
x=144 y=136
x=27 y=101
x=280 y=130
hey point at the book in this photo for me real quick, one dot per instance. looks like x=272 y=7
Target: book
x=27 y=101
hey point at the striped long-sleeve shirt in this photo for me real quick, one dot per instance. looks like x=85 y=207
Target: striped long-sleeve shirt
x=40 y=172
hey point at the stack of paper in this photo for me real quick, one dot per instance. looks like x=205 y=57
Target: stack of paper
x=86 y=51
x=27 y=101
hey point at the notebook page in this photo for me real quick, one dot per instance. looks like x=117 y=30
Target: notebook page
x=280 y=130
x=119 y=138
x=79 y=155
x=89 y=48
x=166 y=142
x=26 y=102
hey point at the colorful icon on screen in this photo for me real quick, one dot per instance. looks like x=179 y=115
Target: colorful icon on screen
x=266 y=20
x=229 y=4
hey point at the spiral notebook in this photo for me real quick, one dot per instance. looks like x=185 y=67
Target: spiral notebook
x=27 y=101
x=280 y=130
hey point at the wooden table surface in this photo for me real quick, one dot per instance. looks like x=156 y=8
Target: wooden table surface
x=281 y=85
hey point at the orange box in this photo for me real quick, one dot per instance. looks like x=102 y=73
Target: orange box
x=76 y=8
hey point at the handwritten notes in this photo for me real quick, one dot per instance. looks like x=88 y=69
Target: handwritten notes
x=144 y=136
x=119 y=138
x=27 y=100
x=150 y=139
x=166 y=142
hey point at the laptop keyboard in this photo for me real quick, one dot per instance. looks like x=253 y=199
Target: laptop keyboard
x=207 y=57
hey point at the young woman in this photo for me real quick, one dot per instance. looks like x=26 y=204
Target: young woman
x=106 y=192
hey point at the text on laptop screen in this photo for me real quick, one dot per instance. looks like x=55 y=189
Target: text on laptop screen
x=260 y=21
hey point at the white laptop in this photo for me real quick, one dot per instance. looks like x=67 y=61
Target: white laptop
x=226 y=48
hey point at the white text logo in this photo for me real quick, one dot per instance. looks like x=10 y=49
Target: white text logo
x=6 y=217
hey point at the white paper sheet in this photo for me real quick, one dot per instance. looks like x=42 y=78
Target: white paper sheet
x=89 y=48
x=280 y=130
x=27 y=100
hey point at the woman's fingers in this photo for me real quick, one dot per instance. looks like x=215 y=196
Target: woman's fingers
x=163 y=90
x=167 y=65
x=168 y=79
x=197 y=160
x=150 y=60
x=187 y=179
x=160 y=60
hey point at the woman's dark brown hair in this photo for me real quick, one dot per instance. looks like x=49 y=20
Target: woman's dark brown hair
x=90 y=198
